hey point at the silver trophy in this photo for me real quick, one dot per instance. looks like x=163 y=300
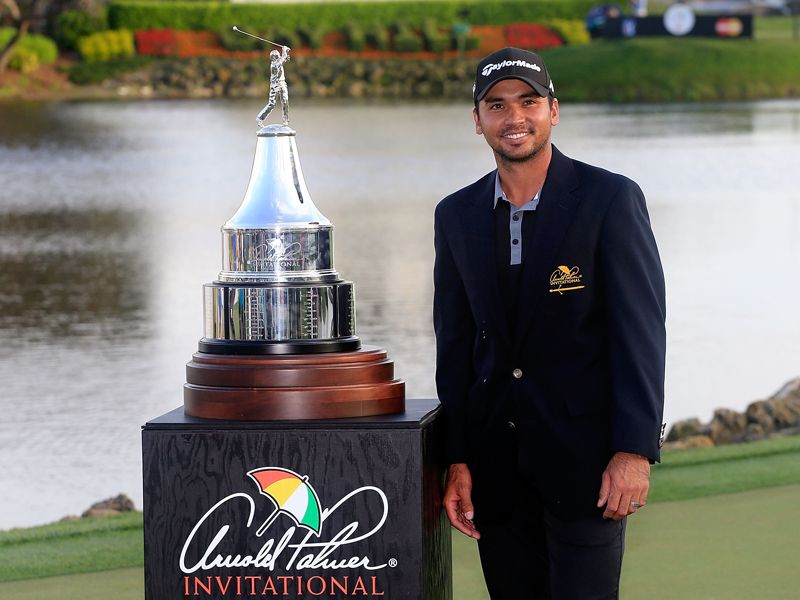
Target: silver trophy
x=278 y=291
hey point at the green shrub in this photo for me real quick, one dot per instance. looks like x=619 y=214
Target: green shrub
x=23 y=60
x=464 y=41
x=572 y=31
x=406 y=40
x=83 y=73
x=106 y=45
x=435 y=40
x=231 y=40
x=43 y=47
x=312 y=35
x=283 y=36
x=356 y=40
x=211 y=16
x=71 y=25
x=378 y=36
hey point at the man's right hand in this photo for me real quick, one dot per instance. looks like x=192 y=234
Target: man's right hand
x=458 y=500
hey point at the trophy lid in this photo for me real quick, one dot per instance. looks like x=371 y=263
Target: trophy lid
x=277 y=196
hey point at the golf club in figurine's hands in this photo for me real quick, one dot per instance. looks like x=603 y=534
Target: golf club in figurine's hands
x=277 y=80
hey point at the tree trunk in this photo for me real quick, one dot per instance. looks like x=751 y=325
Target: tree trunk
x=5 y=54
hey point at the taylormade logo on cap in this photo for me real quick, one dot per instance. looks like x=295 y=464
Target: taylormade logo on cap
x=508 y=63
x=512 y=63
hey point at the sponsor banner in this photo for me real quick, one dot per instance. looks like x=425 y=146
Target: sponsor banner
x=681 y=24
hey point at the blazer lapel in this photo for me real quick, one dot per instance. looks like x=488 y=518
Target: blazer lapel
x=479 y=240
x=554 y=215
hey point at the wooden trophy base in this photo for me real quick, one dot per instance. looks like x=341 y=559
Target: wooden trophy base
x=292 y=386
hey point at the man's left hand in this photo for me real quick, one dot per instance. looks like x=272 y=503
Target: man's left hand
x=624 y=485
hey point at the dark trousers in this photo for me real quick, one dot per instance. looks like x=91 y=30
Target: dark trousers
x=536 y=555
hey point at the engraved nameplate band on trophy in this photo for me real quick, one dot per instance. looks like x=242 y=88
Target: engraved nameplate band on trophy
x=278 y=283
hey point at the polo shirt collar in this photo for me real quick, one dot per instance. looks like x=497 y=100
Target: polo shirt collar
x=499 y=194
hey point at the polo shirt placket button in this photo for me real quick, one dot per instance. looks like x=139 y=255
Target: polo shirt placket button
x=517 y=373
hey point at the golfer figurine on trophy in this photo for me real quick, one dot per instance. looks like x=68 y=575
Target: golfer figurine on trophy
x=277 y=80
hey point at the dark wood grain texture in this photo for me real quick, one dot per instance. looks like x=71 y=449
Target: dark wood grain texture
x=293 y=387
x=188 y=469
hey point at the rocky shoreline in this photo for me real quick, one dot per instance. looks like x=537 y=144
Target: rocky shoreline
x=311 y=78
x=217 y=77
x=778 y=415
x=105 y=508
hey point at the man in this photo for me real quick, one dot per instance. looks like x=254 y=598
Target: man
x=549 y=316
x=277 y=86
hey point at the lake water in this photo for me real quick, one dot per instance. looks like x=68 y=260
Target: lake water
x=109 y=226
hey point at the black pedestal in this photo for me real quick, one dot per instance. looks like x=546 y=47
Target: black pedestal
x=345 y=508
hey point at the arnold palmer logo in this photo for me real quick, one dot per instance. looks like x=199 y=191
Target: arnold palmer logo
x=308 y=544
x=565 y=279
x=275 y=253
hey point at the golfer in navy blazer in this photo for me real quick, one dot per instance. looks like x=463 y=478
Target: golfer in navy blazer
x=549 y=315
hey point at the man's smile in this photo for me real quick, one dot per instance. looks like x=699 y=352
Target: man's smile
x=515 y=136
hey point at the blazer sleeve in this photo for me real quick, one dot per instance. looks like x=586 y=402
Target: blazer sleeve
x=636 y=304
x=455 y=335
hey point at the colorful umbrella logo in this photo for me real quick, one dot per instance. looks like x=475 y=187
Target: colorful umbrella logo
x=292 y=495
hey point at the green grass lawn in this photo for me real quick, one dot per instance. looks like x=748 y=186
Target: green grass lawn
x=696 y=539
x=711 y=471
x=71 y=547
x=776 y=27
x=731 y=547
x=667 y=69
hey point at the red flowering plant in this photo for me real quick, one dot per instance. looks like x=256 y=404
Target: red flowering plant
x=156 y=42
x=198 y=43
x=531 y=36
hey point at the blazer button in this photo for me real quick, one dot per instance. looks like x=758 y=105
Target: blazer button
x=511 y=426
x=517 y=373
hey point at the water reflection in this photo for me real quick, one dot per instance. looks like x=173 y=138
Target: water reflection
x=636 y=121
x=56 y=124
x=109 y=226
x=71 y=273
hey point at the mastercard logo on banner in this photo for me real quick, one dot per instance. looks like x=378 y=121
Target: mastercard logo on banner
x=729 y=27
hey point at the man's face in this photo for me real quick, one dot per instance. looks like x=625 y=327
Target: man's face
x=515 y=120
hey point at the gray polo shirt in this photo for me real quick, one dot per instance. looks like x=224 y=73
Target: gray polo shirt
x=515 y=218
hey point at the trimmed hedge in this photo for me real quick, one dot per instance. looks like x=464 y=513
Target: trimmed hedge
x=406 y=39
x=356 y=38
x=72 y=25
x=378 y=36
x=212 y=16
x=435 y=40
x=236 y=41
x=106 y=45
x=312 y=36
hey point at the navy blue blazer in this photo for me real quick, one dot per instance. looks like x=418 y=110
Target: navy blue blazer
x=580 y=375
